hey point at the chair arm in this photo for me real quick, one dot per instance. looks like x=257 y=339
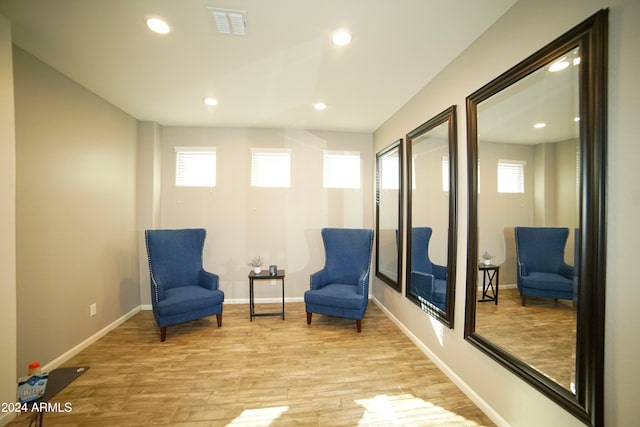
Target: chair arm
x=157 y=291
x=363 y=283
x=440 y=271
x=208 y=280
x=422 y=284
x=522 y=269
x=566 y=270
x=319 y=279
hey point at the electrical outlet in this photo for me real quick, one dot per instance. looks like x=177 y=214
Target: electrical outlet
x=92 y=310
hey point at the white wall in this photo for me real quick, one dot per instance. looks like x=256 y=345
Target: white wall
x=8 y=333
x=75 y=209
x=282 y=225
x=526 y=27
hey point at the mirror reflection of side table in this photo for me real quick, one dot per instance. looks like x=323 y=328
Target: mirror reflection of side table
x=490 y=282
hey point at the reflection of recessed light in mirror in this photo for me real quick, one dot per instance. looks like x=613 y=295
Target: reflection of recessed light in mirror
x=211 y=101
x=560 y=64
x=539 y=125
x=320 y=106
x=576 y=60
x=341 y=38
x=158 y=25
x=576 y=119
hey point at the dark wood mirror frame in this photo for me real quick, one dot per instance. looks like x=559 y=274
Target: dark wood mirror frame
x=588 y=402
x=394 y=282
x=448 y=116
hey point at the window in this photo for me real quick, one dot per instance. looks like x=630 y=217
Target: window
x=271 y=167
x=445 y=173
x=195 y=166
x=341 y=169
x=390 y=173
x=511 y=176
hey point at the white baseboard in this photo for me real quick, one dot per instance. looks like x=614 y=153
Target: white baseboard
x=471 y=394
x=86 y=343
x=246 y=301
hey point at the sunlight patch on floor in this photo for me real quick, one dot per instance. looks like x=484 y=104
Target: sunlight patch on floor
x=406 y=409
x=262 y=417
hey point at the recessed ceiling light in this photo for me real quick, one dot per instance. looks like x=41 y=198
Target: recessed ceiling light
x=560 y=64
x=158 y=25
x=320 y=106
x=211 y=101
x=539 y=125
x=576 y=60
x=341 y=38
x=576 y=119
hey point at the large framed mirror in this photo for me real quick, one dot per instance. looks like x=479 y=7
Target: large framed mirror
x=536 y=153
x=432 y=215
x=389 y=214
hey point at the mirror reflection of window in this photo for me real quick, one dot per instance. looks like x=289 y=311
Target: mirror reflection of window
x=388 y=233
x=529 y=139
x=430 y=274
x=390 y=173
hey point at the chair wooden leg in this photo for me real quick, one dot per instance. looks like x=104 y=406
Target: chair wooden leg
x=308 y=318
x=219 y=319
x=163 y=334
x=359 y=325
x=524 y=300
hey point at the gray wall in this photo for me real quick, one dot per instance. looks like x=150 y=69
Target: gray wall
x=8 y=332
x=76 y=212
x=526 y=27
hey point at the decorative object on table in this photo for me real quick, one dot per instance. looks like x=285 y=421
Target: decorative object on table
x=273 y=270
x=487 y=257
x=181 y=289
x=256 y=263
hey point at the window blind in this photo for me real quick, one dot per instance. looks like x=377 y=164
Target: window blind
x=341 y=169
x=271 y=167
x=195 y=166
x=511 y=176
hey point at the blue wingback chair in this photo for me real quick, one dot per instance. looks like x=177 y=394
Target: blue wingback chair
x=541 y=270
x=428 y=280
x=181 y=290
x=341 y=288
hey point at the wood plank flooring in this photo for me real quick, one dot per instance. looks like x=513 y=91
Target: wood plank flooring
x=542 y=334
x=268 y=372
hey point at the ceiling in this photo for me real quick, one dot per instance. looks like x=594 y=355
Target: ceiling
x=268 y=78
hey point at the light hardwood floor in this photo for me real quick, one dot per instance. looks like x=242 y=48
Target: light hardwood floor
x=542 y=334
x=261 y=373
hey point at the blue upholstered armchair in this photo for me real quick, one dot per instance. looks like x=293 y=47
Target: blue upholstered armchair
x=542 y=271
x=181 y=290
x=341 y=288
x=428 y=280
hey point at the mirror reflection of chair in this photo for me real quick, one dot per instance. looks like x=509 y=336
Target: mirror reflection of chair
x=541 y=270
x=181 y=290
x=341 y=288
x=428 y=280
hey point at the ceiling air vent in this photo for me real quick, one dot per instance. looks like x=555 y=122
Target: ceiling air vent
x=229 y=21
